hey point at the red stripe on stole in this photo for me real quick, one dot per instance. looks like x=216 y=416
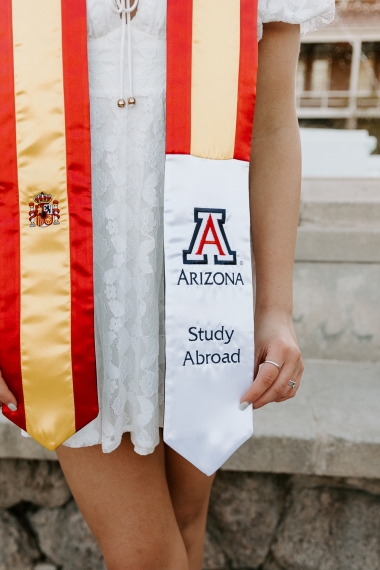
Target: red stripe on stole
x=78 y=156
x=178 y=92
x=247 y=79
x=10 y=353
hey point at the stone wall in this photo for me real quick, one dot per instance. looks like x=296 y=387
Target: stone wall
x=337 y=270
x=280 y=522
x=256 y=521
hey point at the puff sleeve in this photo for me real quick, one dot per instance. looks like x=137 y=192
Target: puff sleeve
x=310 y=14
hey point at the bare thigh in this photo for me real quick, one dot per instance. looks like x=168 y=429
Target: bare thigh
x=125 y=500
x=190 y=493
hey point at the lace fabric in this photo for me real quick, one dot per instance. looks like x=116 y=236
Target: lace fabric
x=128 y=160
x=310 y=14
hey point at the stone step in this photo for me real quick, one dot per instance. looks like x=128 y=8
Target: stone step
x=14 y=445
x=339 y=221
x=337 y=310
x=337 y=270
x=331 y=428
x=340 y=214
x=341 y=190
x=338 y=244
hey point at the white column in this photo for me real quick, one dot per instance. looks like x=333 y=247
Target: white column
x=354 y=82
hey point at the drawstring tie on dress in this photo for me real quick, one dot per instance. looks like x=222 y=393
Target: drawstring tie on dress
x=124 y=8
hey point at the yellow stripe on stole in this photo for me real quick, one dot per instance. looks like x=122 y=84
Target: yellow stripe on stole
x=215 y=77
x=45 y=252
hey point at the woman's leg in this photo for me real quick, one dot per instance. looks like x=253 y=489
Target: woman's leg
x=125 y=500
x=190 y=492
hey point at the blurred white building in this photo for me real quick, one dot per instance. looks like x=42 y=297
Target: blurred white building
x=338 y=88
x=339 y=67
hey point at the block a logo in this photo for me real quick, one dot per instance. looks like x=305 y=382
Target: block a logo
x=209 y=238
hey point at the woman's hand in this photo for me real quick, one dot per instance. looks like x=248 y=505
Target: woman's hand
x=6 y=396
x=275 y=340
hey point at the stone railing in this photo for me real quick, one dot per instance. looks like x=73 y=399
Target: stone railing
x=304 y=492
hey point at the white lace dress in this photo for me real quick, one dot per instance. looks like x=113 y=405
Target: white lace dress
x=128 y=157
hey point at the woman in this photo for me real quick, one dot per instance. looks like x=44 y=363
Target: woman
x=145 y=504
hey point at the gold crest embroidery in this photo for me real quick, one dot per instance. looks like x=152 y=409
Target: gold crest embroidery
x=44 y=211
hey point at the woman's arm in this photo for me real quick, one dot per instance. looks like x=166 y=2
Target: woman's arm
x=275 y=181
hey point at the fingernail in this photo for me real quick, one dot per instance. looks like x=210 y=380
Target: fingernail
x=244 y=406
x=12 y=407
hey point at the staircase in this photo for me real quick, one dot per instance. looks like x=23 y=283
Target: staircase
x=332 y=427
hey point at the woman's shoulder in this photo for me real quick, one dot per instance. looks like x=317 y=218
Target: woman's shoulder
x=310 y=14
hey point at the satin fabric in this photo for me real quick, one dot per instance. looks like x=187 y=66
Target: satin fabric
x=45 y=252
x=212 y=59
x=210 y=107
x=214 y=78
x=47 y=310
x=78 y=165
x=203 y=421
x=10 y=361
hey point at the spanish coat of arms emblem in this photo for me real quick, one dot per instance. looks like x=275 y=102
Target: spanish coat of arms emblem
x=43 y=211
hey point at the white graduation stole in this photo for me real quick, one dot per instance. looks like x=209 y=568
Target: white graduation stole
x=211 y=86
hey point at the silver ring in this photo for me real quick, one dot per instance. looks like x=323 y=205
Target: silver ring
x=292 y=384
x=274 y=363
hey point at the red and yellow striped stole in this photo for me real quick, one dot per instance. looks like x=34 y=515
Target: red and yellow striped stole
x=47 y=352
x=211 y=77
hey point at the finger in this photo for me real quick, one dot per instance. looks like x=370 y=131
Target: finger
x=265 y=378
x=292 y=391
x=281 y=390
x=6 y=396
x=296 y=377
x=289 y=388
